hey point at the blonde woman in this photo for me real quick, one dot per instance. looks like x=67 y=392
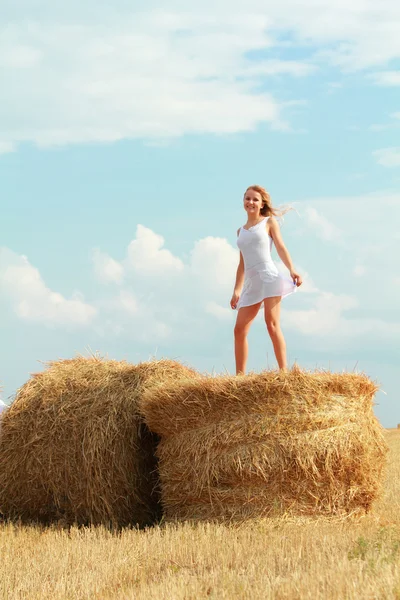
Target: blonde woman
x=258 y=281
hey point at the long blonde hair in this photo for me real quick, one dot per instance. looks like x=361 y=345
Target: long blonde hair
x=267 y=209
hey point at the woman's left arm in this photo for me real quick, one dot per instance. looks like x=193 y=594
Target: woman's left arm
x=283 y=253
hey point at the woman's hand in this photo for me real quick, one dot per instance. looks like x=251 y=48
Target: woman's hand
x=234 y=300
x=296 y=278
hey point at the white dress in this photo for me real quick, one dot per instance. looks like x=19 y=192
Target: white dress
x=261 y=276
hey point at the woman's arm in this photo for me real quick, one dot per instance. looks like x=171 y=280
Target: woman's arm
x=239 y=281
x=283 y=253
x=239 y=276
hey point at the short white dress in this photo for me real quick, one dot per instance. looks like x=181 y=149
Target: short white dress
x=261 y=276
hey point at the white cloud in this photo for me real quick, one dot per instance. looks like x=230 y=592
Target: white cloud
x=359 y=270
x=388 y=157
x=324 y=228
x=323 y=318
x=18 y=56
x=114 y=72
x=213 y=264
x=221 y=312
x=150 y=76
x=127 y=315
x=369 y=239
x=127 y=302
x=147 y=255
x=7 y=147
x=281 y=67
x=387 y=78
x=148 y=266
x=33 y=300
x=334 y=86
x=153 y=301
x=326 y=319
x=106 y=268
x=380 y=127
x=393 y=124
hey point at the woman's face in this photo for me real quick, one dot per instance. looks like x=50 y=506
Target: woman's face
x=252 y=203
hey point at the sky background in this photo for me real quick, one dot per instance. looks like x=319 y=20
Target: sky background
x=127 y=140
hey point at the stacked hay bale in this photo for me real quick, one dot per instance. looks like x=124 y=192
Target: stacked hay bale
x=261 y=445
x=73 y=446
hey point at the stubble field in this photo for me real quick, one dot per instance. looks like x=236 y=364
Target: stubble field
x=271 y=558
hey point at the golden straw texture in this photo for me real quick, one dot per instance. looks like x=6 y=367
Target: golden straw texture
x=74 y=448
x=268 y=443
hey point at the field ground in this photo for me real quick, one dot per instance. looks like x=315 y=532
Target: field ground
x=283 y=559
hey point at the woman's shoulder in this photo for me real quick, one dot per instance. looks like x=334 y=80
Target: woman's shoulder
x=272 y=221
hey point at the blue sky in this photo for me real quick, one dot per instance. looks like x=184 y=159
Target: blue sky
x=127 y=140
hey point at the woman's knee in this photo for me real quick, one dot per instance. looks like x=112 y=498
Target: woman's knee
x=240 y=330
x=272 y=326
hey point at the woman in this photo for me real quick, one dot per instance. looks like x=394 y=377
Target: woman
x=258 y=281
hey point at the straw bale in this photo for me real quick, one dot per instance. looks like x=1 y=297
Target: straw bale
x=74 y=447
x=263 y=444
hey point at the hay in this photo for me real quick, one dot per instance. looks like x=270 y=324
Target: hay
x=74 y=448
x=267 y=444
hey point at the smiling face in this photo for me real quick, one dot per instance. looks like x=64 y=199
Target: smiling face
x=252 y=203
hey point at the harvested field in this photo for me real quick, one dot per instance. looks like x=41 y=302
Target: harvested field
x=284 y=558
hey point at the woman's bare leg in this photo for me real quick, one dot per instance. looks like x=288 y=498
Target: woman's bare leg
x=272 y=311
x=245 y=317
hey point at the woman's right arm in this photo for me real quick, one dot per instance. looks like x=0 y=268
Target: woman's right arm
x=239 y=276
x=239 y=282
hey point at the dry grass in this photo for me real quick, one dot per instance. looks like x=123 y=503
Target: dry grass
x=284 y=559
x=74 y=447
x=266 y=444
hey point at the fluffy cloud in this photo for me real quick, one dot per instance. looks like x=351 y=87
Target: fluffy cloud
x=359 y=270
x=221 y=312
x=323 y=227
x=393 y=123
x=160 y=288
x=364 y=260
x=213 y=265
x=388 y=157
x=6 y=147
x=128 y=314
x=106 y=268
x=387 y=78
x=326 y=319
x=33 y=301
x=126 y=302
x=323 y=317
x=113 y=72
x=147 y=255
x=149 y=76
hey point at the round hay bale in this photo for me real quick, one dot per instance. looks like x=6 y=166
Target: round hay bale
x=265 y=444
x=73 y=446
